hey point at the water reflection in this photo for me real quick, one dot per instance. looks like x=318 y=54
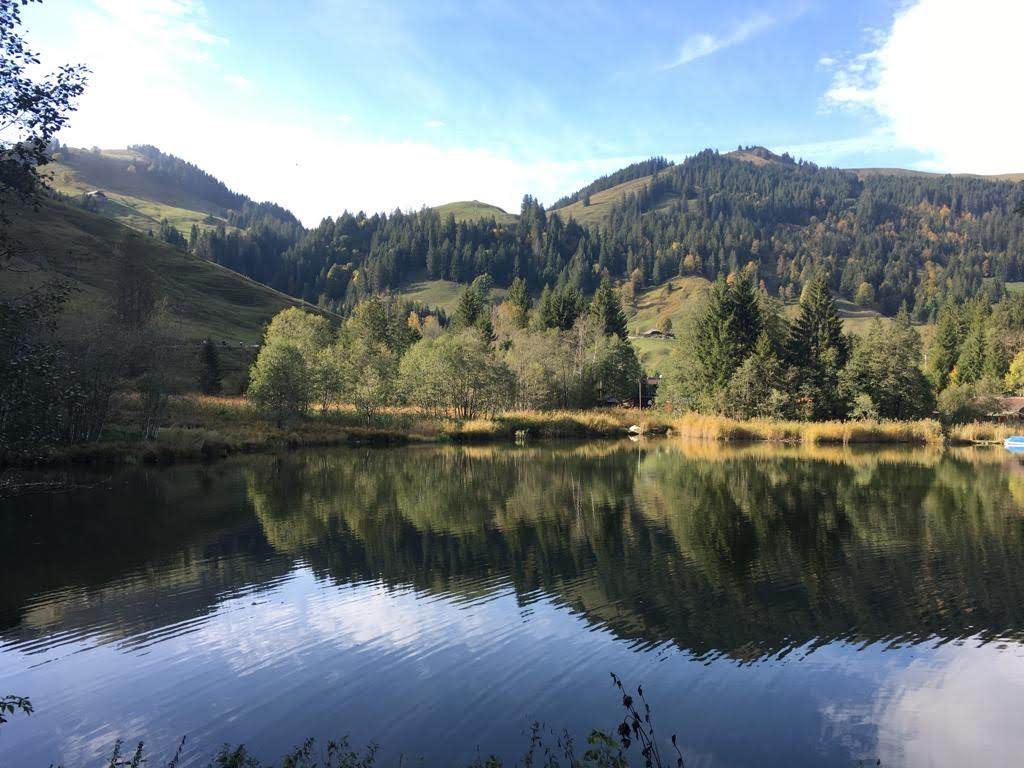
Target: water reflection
x=736 y=552
x=821 y=603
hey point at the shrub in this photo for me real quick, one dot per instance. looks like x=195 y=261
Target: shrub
x=279 y=383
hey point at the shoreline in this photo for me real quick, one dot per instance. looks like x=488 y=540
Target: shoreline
x=202 y=428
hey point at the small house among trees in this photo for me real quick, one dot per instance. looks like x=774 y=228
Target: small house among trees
x=657 y=333
x=1008 y=409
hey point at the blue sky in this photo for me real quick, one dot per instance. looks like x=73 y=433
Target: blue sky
x=324 y=105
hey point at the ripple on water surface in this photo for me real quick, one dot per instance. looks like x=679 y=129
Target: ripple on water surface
x=789 y=606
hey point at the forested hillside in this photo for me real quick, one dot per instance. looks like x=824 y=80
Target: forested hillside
x=884 y=239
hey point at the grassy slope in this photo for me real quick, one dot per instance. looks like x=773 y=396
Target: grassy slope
x=441 y=294
x=472 y=210
x=601 y=202
x=133 y=198
x=204 y=298
x=762 y=157
x=656 y=305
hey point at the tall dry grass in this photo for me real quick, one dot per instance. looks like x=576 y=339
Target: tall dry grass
x=709 y=427
x=982 y=432
x=555 y=424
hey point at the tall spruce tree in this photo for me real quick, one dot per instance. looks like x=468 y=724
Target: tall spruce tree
x=559 y=308
x=970 y=363
x=545 y=309
x=470 y=307
x=945 y=347
x=210 y=377
x=520 y=300
x=818 y=350
x=715 y=337
x=748 y=322
x=995 y=360
x=607 y=309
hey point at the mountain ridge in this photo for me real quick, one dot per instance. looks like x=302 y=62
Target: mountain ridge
x=711 y=214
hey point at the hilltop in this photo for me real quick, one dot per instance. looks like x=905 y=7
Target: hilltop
x=140 y=186
x=760 y=156
x=602 y=202
x=474 y=210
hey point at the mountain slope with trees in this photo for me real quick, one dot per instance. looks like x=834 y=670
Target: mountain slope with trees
x=883 y=239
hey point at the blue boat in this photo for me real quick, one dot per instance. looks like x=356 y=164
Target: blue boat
x=1014 y=443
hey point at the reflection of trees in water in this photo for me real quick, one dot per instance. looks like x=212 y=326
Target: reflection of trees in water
x=741 y=551
x=435 y=518
x=138 y=549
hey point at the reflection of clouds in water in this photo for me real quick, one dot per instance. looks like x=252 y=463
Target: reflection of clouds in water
x=960 y=707
x=303 y=614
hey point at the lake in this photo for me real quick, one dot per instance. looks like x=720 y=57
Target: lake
x=781 y=606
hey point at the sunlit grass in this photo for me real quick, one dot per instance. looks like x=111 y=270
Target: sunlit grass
x=205 y=426
x=982 y=432
x=711 y=427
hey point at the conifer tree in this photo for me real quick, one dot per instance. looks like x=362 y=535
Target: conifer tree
x=470 y=308
x=757 y=389
x=485 y=326
x=818 y=350
x=607 y=309
x=521 y=302
x=559 y=308
x=715 y=337
x=945 y=347
x=747 y=321
x=995 y=362
x=210 y=380
x=545 y=309
x=567 y=303
x=970 y=364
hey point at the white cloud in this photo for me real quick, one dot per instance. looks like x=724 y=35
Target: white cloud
x=434 y=124
x=943 y=80
x=960 y=708
x=703 y=44
x=238 y=82
x=149 y=61
x=317 y=173
x=139 y=53
x=827 y=61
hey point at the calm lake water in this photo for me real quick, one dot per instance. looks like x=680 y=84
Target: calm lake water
x=782 y=607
